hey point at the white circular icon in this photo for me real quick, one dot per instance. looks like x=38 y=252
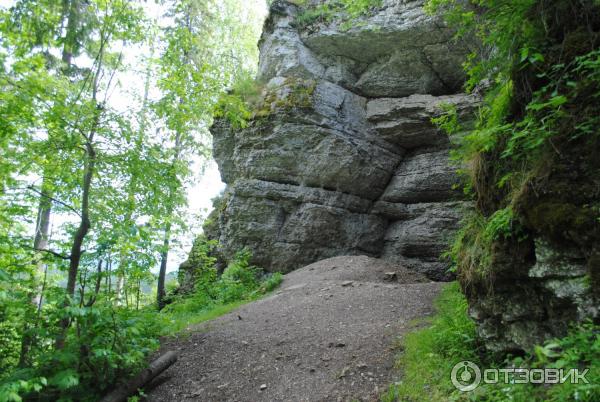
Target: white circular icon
x=466 y=376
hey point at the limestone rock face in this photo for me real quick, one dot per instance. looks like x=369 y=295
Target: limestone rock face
x=359 y=168
x=551 y=279
x=530 y=306
x=343 y=159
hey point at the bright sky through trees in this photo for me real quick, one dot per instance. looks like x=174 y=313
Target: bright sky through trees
x=129 y=84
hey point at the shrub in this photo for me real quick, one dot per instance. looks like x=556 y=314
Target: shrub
x=239 y=279
x=239 y=283
x=271 y=282
x=238 y=104
x=105 y=345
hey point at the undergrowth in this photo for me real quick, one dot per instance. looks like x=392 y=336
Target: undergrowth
x=537 y=64
x=214 y=295
x=430 y=352
x=108 y=343
x=530 y=164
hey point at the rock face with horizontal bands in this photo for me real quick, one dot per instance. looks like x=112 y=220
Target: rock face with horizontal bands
x=358 y=168
x=343 y=159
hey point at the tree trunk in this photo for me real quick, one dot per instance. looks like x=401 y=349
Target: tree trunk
x=108 y=283
x=132 y=185
x=93 y=298
x=164 y=255
x=71 y=34
x=137 y=296
x=119 y=286
x=84 y=224
x=82 y=230
x=42 y=229
x=132 y=386
x=162 y=273
x=89 y=170
x=40 y=242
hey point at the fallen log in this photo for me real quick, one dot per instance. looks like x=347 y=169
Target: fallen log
x=131 y=387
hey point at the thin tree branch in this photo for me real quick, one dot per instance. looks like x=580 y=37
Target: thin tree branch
x=51 y=252
x=35 y=190
x=92 y=298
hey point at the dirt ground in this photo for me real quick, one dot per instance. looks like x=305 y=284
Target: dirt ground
x=326 y=334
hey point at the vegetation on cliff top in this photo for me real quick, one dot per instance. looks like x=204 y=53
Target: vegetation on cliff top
x=343 y=11
x=250 y=100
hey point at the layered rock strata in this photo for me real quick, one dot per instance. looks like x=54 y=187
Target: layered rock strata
x=343 y=158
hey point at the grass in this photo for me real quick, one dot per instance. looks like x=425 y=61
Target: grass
x=438 y=343
x=176 y=322
x=201 y=307
x=431 y=351
x=345 y=10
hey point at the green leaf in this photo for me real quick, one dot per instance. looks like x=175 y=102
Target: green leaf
x=65 y=379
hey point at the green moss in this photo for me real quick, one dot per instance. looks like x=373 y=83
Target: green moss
x=262 y=113
x=253 y=102
x=293 y=93
x=594 y=274
x=554 y=218
x=345 y=11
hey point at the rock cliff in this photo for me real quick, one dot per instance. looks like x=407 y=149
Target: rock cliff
x=541 y=283
x=342 y=157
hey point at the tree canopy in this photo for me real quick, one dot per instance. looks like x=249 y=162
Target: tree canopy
x=104 y=113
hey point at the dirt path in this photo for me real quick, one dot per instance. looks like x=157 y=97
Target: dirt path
x=326 y=335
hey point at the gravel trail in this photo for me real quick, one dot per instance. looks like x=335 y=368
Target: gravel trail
x=326 y=334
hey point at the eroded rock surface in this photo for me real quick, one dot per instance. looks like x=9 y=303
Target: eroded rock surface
x=359 y=168
x=550 y=279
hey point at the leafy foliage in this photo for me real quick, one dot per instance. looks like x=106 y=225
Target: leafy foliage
x=251 y=101
x=105 y=346
x=537 y=65
x=93 y=189
x=236 y=105
x=238 y=278
x=239 y=283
